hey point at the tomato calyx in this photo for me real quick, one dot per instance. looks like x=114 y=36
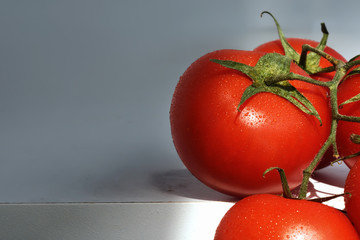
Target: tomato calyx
x=270 y=74
x=312 y=65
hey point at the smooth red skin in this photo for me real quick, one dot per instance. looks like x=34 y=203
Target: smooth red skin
x=272 y=217
x=230 y=150
x=347 y=89
x=297 y=43
x=352 y=202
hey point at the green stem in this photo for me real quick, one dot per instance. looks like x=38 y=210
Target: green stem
x=310 y=169
x=306 y=48
x=347 y=118
x=325 y=199
x=351 y=64
x=338 y=159
x=331 y=140
x=346 y=157
x=325 y=70
x=293 y=76
x=284 y=182
x=341 y=69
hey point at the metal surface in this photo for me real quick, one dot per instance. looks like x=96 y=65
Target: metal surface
x=84 y=101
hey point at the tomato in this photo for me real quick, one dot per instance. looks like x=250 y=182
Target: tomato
x=297 y=43
x=352 y=200
x=229 y=150
x=268 y=216
x=348 y=88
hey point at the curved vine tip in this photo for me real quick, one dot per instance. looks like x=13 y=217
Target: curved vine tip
x=288 y=49
x=324 y=29
x=313 y=60
x=262 y=13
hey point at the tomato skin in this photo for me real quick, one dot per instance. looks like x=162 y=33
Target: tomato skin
x=266 y=216
x=347 y=89
x=297 y=43
x=229 y=150
x=352 y=202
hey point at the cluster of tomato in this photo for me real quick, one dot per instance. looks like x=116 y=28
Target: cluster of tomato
x=228 y=146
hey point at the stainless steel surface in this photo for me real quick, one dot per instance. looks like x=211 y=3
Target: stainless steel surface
x=84 y=100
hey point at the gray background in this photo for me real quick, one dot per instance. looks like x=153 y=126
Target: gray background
x=85 y=88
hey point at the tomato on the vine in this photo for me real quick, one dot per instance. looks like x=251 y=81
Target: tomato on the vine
x=352 y=195
x=266 y=216
x=293 y=47
x=229 y=149
x=297 y=43
x=348 y=88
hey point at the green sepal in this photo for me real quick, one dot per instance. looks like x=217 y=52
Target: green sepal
x=289 y=92
x=249 y=92
x=313 y=59
x=351 y=100
x=246 y=69
x=272 y=66
x=312 y=65
x=288 y=49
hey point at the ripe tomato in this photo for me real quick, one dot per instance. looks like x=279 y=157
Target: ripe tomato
x=352 y=202
x=297 y=43
x=348 y=88
x=268 y=216
x=228 y=149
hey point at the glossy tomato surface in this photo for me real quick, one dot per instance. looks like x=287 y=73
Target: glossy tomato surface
x=352 y=196
x=297 y=43
x=229 y=150
x=348 y=88
x=266 y=216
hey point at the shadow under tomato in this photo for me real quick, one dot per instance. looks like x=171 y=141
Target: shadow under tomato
x=182 y=183
x=333 y=175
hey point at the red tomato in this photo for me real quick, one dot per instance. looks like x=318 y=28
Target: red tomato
x=228 y=149
x=267 y=216
x=352 y=202
x=348 y=88
x=297 y=43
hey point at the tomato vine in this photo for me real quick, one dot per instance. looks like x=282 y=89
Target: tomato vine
x=272 y=74
x=341 y=69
